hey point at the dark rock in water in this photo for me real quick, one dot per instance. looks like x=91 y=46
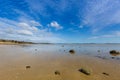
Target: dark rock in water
x=118 y=58
x=62 y=45
x=101 y=57
x=35 y=49
x=28 y=67
x=98 y=50
x=71 y=51
x=113 y=57
x=105 y=74
x=114 y=53
x=84 y=71
x=57 y=73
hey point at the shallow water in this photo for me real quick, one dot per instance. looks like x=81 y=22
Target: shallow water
x=45 y=59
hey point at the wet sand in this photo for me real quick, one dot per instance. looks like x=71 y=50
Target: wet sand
x=40 y=62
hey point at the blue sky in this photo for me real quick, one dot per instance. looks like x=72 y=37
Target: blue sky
x=61 y=21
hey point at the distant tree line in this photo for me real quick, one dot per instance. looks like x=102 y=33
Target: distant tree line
x=15 y=41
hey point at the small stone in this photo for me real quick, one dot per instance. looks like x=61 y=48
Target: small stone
x=72 y=51
x=118 y=58
x=113 y=57
x=101 y=57
x=105 y=74
x=84 y=71
x=35 y=49
x=98 y=50
x=57 y=73
x=62 y=45
x=28 y=67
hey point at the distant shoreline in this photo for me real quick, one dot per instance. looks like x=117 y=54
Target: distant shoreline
x=2 y=41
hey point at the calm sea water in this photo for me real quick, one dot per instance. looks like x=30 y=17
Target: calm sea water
x=80 y=49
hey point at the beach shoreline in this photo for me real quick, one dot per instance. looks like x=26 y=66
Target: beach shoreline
x=34 y=62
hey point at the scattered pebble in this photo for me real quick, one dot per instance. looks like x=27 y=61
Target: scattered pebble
x=113 y=57
x=28 y=67
x=62 y=45
x=98 y=50
x=57 y=73
x=71 y=51
x=116 y=58
x=84 y=71
x=35 y=49
x=101 y=57
x=105 y=74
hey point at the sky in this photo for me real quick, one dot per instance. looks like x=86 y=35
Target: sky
x=60 y=21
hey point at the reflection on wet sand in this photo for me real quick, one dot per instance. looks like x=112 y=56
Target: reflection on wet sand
x=54 y=62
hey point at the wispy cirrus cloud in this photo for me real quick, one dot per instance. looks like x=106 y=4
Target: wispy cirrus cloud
x=99 y=14
x=27 y=26
x=24 y=32
x=112 y=35
x=58 y=7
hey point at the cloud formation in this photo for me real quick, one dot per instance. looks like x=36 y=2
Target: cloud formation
x=58 y=6
x=38 y=19
x=55 y=25
x=24 y=32
x=27 y=26
x=10 y=29
x=99 y=14
x=112 y=35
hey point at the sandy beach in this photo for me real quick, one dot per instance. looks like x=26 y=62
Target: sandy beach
x=59 y=39
x=55 y=62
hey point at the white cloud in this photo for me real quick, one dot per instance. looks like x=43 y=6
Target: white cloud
x=55 y=25
x=27 y=26
x=35 y=23
x=26 y=31
x=34 y=28
x=99 y=14
x=30 y=25
x=81 y=26
x=24 y=25
x=113 y=34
